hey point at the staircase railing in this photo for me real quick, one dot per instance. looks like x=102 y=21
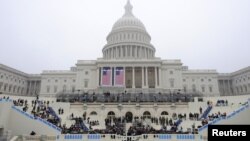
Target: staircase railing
x=206 y=112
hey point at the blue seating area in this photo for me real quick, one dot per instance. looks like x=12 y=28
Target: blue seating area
x=186 y=137
x=73 y=137
x=53 y=113
x=206 y=112
x=162 y=137
x=94 y=136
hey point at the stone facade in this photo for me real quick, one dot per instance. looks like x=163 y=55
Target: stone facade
x=13 y=81
x=235 y=83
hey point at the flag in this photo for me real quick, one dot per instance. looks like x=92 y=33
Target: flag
x=106 y=76
x=119 y=76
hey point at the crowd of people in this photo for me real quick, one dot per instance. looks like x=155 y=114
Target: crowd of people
x=222 y=103
x=125 y=97
x=116 y=125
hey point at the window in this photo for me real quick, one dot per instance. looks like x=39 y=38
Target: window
x=65 y=80
x=93 y=113
x=73 y=89
x=171 y=72
x=203 y=89
x=86 y=72
x=202 y=80
x=74 y=80
x=209 y=80
x=5 y=87
x=64 y=88
x=184 y=80
x=85 y=83
x=1 y=76
x=164 y=113
x=172 y=83
x=10 y=88
x=245 y=88
x=48 y=89
x=48 y=80
x=193 y=80
x=194 y=88
x=56 y=80
x=55 y=89
x=210 y=89
x=185 y=88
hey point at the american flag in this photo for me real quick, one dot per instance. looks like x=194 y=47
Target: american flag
x=119 y=76
x=106 y=76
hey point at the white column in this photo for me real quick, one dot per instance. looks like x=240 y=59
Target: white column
x=113 y=52
x=136 y=48
x=224 y=86
x=142 y=69
x=156 y=77
x=139 y=52
x=29 y=92
x=118 y=51
x=126 y=51
x=124 y=76
x=34 y=89
x=146 y=77
x=121 y=51
x=160 y=77
x=133 y=77
x=107 y=53
x=131 y=50
x=110 y=51
x=98 y=76
x=101 y=76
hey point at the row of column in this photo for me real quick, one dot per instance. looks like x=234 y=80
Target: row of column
x=226 y=87
x=33 y=87
x=144 y=73
x=128 y=51
x=11 y=88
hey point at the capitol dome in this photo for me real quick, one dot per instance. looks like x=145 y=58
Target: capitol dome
x=128 y=38
x=128 y=20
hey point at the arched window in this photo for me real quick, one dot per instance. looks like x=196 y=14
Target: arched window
x=245 y=86
x=164 y=113
x=111 y=113
x=147 y=114
x=64 y=88
x=93 y=113
x=1 y=85
x=193 y=88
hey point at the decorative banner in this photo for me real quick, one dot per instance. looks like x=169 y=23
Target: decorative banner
x=119 y=76
x=106 y=76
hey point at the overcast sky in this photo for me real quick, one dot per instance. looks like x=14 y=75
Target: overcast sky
x=38 y=35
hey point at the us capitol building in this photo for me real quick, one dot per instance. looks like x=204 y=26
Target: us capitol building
x=128 y=65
